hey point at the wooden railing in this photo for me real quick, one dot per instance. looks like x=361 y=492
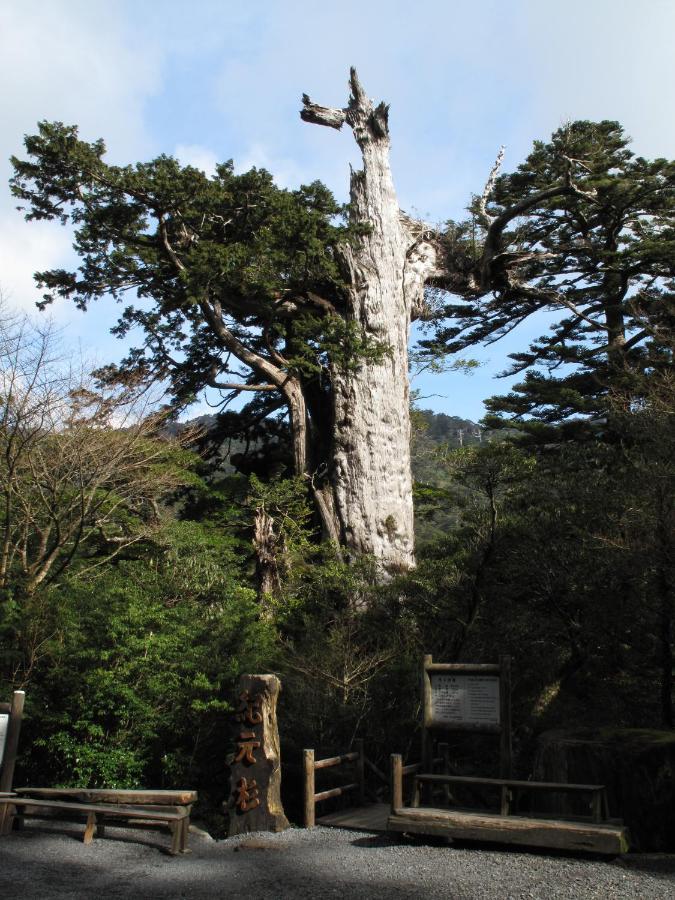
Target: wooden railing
x=509 y=789
x=311 y=766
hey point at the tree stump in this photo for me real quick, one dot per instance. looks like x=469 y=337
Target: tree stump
x=254 y=803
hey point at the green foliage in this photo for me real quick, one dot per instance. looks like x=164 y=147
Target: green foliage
x=210 y=253
x=585 y=229
x=134 y=672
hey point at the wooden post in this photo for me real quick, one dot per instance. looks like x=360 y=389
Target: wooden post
x=396 y=783
x=427 y=740
x=12 y=741
x=8 y=759
x=361 y=770
x=89 y=829
x=505 y=760
x=444 y=753
x=309 y=787
x=426 y=713
x=255 y=767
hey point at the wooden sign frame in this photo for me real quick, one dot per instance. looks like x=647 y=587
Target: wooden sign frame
x=502 y=727
x=8 y=762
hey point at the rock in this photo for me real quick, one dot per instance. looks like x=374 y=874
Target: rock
x=636 y=765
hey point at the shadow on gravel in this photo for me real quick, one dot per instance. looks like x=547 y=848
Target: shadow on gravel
x=378 y=840
x=653 y=863
x=153 y=838
x=422 y=840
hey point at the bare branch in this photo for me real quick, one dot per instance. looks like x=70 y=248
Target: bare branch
x=486 y=219
x=322 y=115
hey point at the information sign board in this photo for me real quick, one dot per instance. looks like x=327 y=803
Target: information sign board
x=458 y=699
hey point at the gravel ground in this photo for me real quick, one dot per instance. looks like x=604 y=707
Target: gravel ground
x=47 y=861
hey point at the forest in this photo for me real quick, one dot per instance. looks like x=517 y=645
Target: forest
x=328 y=528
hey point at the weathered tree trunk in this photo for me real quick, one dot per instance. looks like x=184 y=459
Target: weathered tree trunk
x=255 y=769
x=386 y=270
x=265 y=546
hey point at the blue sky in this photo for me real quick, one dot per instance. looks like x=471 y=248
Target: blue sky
x=208 y=80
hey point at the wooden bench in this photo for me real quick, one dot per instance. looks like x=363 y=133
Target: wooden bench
x=595 y=834
x=176 y=818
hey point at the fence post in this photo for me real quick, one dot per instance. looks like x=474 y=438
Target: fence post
x=309 y=790
x=505 y=750
x=396 y=782
x=12 y=741
x=361 y=770
x=444 y=752
x=8 y=760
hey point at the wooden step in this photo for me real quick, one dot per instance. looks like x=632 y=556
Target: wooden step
x=526 y=831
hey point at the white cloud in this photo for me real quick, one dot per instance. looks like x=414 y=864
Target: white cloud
x=25 y=247
x=610 y=59
x=287 y=173
x=75 y=62
x=197 y=156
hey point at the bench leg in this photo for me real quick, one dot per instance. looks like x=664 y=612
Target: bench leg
x=596 y=806
x=89 y=829
x=5 y=819
x=506 y=801
x=176 y=832
x=184 y=834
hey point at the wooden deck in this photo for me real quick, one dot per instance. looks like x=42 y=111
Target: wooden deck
x=364 y=818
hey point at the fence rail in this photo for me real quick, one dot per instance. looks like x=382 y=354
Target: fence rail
x=310 y=767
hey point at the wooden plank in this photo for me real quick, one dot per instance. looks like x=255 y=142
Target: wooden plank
x=462 y=668
x=335 y=792
x=365 y=818
x=335 y=760
x=109 y=795
x=510 y=782
x=112 y=810
x=605 y=839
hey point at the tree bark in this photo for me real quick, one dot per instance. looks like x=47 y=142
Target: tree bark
x=265 y=546
x=386 y=268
